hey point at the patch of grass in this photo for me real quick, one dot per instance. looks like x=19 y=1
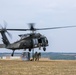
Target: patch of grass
x=13 y=67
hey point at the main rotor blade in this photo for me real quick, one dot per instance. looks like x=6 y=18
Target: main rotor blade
x=31 y=26
x=56 y=28
x=18 y=29
x=41 y=28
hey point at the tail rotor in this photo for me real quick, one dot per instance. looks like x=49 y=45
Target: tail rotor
x=4 y=30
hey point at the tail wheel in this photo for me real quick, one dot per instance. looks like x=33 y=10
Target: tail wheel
x=44 y=48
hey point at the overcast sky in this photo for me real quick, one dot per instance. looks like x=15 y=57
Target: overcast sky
x=44 y=13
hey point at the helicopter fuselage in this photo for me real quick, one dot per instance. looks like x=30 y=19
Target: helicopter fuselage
x=29 y=41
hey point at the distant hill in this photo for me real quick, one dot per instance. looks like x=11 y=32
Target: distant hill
x=50 y=55
x=60 y=56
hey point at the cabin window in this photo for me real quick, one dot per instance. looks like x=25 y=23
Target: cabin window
x=35 y=41
x=39 y=40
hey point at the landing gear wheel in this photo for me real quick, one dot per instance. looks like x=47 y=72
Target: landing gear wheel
x=30 y=50
x=44 y=48
x=12 y=53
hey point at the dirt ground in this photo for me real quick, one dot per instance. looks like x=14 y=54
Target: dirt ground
x=53 y=67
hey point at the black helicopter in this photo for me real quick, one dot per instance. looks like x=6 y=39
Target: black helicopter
x=28 y=41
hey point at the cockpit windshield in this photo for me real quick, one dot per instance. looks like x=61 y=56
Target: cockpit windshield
x=43 y=40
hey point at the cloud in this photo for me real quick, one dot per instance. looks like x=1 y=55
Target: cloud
x=11 y=7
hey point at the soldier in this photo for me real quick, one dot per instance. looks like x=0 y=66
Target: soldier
x=35 y=56
x=28 y=56
x=38 y=56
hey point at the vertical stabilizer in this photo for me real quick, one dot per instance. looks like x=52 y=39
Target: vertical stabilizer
x=5 y=39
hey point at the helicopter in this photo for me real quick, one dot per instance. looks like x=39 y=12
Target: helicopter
x=27 y=41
